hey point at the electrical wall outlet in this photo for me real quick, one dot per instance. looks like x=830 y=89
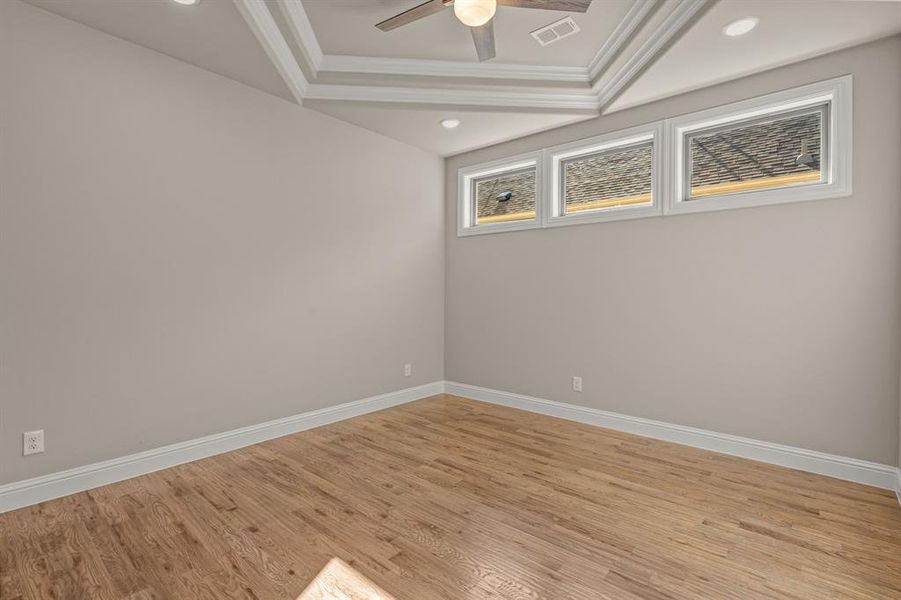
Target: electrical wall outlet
x=408 y=370
x=33 y=442
x=577 y=383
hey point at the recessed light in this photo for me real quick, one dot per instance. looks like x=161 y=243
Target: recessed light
x=450 y=123
x=741 y=26
x=187 y=2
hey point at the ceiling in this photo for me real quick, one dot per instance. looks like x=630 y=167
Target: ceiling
x=211 y=35
x=422 y=125
x=347 y=27
x=328 y=56
x=789 y=31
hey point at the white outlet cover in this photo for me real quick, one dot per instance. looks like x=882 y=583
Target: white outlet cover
x=577 y=384
x=33 y=442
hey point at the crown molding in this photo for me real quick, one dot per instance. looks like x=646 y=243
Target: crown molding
x=335 y=63
x=260 y=20
x=576 y=101
x=669 y=29
x=620 y=36
x=317 y=62
x=303 y=33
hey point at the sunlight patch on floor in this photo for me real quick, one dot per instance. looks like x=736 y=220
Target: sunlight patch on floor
x=339 y=581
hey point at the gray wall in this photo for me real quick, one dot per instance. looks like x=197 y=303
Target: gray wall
x=778 y=323
x=181 y=254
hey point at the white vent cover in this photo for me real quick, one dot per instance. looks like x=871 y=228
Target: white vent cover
x=555 y=31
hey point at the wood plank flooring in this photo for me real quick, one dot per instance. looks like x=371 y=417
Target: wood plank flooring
x=448 y=498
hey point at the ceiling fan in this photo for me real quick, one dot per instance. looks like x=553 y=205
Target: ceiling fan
x=478 y=15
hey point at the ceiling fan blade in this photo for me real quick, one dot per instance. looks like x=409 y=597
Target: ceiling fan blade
x=483 y=38
x=567 y=5
x=414 y=14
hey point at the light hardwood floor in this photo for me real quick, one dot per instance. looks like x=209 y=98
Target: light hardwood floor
x=451 y=498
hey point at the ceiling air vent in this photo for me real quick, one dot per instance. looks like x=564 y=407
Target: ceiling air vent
x=555 y=31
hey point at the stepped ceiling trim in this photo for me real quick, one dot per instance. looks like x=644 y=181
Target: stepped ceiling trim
x=588 y=91
x=446 y=68
x=620 y=37
x=303 y=33
x=260 y=20
x=666 y=33
x=585 y=101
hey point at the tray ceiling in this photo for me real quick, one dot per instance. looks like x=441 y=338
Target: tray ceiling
x=328 y=56
x=347 y=27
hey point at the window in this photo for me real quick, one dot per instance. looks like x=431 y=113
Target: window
x=609 y=177
x=500 y=196
x=766 y=154
x=785 y=147
x=505 y=198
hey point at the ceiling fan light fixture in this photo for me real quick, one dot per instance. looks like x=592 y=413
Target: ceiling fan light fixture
x=475 y=13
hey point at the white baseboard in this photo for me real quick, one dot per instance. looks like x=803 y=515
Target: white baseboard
x=841 y=467
x=898 y=487
x=32 y=491
x=47 y=487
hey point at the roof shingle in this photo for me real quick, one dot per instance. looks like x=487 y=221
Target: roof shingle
x=750 y=152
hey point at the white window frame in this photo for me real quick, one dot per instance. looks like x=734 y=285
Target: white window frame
x=836 y=93
x=670 y=164
x=466 y=202
x=555 y=157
